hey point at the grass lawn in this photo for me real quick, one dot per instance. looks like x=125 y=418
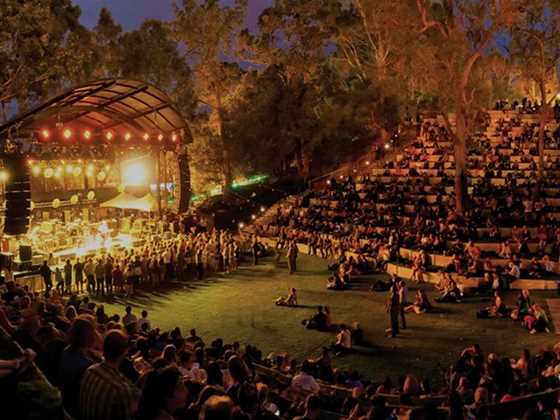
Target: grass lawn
x=239 y=307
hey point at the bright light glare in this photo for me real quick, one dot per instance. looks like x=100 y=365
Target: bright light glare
x=135 y=173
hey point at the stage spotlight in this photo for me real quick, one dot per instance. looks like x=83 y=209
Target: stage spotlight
x=3 y=175
x=49 y=172
x=367 y=162
x=89 y=170
x=107 y=168
x=253 y=217
x=69 y=168
x=87 y=134
x=77 y=171
x=146 y=136
x=160 y=137
x=45 y=133
x=109 y=135
x=174 y=137
x=241 y=225
x=134 y=173
x=67 y=133
x=127 y=136
x=262 y=209
x=387 y=146
x=36 y=170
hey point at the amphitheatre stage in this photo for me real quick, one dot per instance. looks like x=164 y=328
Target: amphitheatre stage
x=244 y=311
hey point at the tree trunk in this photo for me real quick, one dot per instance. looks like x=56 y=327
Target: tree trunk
x=461 y=155
x=226 y=158
x=300 y=164
x=542 y=124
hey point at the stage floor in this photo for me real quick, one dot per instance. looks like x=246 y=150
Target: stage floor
x=240 y=307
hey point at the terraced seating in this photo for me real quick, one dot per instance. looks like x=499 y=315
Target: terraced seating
x=389 y=196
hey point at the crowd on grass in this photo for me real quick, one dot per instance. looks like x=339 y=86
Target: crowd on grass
x=121 y=366
x=165 y=257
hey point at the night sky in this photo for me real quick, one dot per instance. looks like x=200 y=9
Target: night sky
x=131 y=13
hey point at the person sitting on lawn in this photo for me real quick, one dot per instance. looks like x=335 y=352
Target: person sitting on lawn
x=291 y=300
x=523 y=305
x=444 y=282
x=451 y=293
x=336 y=282
x=536 y=320
x=317 y=322
x=421 y=303
x=498 y=309
x=343 y=342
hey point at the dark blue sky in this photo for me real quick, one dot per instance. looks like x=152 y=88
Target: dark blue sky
x=131 y=13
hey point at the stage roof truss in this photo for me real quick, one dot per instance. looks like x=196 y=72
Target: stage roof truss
x=117 y=105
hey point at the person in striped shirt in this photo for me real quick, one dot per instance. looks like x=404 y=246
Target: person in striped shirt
x=105 y=393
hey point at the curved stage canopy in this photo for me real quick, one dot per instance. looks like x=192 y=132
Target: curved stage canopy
x=119 y=106
x=100 y=118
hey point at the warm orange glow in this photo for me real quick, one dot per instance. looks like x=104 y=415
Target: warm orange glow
x=45 y=133
x=109 y=135
x=174 y=137
x=67 y=133
x=160 y=137
x=127 y=136
x=87 y=134
x=146 y=136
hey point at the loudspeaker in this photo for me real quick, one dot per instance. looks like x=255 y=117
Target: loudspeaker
x=18 y=196
x=25 y=253
x=183 y=190
x=6 y=259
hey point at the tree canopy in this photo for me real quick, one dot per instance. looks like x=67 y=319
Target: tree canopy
x=314 y=77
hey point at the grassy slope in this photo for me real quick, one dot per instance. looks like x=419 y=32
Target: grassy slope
x=240 y=307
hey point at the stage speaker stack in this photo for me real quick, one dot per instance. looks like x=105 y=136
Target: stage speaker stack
x=184 y=188
x=18 y=196
x=25 y=253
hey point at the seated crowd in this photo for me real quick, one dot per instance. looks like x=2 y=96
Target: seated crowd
x=404 y=212
x=113 y=367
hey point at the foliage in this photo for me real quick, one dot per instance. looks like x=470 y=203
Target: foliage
x=208 y=32
x=34 y=47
